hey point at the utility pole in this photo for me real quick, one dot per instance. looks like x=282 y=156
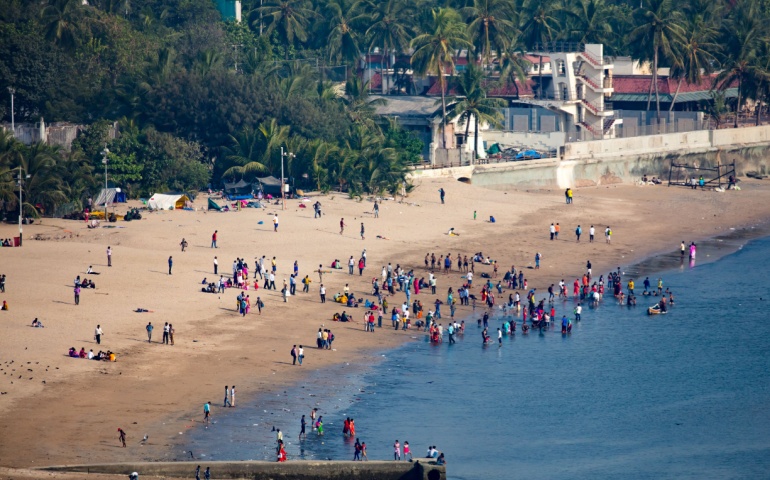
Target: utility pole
x=283 y=186
x=21 y=201
x=235 y=50
x=12 y=91
x=105 y=152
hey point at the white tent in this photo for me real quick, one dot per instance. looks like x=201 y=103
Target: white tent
x=159 y=201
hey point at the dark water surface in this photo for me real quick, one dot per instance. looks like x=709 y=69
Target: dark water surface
x=683 y=395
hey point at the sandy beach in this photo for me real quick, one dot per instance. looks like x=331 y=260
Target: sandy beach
x=59 y=410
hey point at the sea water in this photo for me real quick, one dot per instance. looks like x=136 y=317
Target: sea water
x=682 y=395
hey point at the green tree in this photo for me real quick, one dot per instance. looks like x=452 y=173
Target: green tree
x=472 y=104
x=589 y=21
x=658 y=31
x=490 y=23
x=289 y=18
x=694 y=56
x=343 y=40
x=434 y=51
x=60 y=20
x=539 y=25
x=743 y=33
x=390 y=30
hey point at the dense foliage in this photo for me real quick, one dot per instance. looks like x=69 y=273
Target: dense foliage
x=201 y=100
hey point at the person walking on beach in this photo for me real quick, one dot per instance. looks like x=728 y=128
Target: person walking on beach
x=313 y=414
x=682 y=248
x=591 y=232
x=77 y=294
x=300 y=355
x=317 y=209
x=109 y=256
x=552 y=231
x=232 y=396
x=294 y=355
x=183 y=244
x=198 y=472
x=122 y=437
x=149 y=329
x=207 y=474
x=362 y=231
x=441 y=193
x=98 y=334
x=275 y=222
x=171 y=333
x=351 y=265
x=342 y=225
x=578 y=232
x=170 y=264
x=216 y=267
x=207 y=412
x=227 y=396
x=214 y=239
x=376 y=209
x=165 y=334
x=608 y=234
x=322 y=292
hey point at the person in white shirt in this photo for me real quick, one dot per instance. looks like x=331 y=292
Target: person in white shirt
x=90 y=354
x=469 y=277
x=98 y=334
x=591 y=232
x=552 y=231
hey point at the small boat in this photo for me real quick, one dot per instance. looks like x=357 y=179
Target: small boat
x=655 y=310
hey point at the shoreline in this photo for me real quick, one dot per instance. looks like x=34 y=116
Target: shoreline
x=236 y=344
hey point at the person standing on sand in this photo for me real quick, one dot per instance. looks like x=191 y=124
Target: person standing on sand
x=362 y=231
x=227 y=397
x=441 y=193
x=376 y=209
x=216 y=267
x=170 y=264
x=207 y=412
x=232 y=396
x=578 y=232
x=77 y=294
x=397 y=449
x=122 y=436
x=149 y=329
x=294 y=355
x=300 y=355
x=552 y=231
x=214 y=239
x=171 y=333
x=109 y=256
x=98 y=334
x=183 y=244
x=557 y=231
x=275 y=222
x=322 y=292
x=198 y=473
x=591 y=232
x=608 y=234
x=342 y=225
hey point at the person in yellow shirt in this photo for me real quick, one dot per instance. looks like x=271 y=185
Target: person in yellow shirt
x=631 y=287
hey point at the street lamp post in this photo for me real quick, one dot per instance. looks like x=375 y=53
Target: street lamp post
x=12 y=91
x=105 y=152
x=21 y=200
x=283 y=186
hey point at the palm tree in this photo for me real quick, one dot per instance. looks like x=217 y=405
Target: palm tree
x=343 y=41
x=658 y=26
x=60 y=20
x=289 y=18
x=742 y=36
x=539 y=27
x=472 y=104
x=389 y=29
x=490 y=23
x=433 y=51
x=514 y=66
x=695 y=55
x=359 y=104
x=589 y=21
x=45 y=186
x=253 y=151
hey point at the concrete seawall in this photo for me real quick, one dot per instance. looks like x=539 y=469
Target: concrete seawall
x=297 y=470
x=623 y=160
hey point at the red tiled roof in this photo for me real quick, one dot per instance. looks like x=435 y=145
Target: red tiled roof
x=666 y=85
x=524 y=90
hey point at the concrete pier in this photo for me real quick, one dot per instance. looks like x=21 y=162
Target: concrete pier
x=420 y=469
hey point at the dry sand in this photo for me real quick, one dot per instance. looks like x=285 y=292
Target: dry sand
x=57 y=410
